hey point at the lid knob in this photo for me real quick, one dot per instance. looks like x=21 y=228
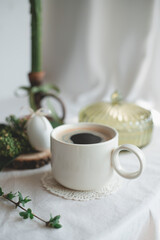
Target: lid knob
x=116 y=97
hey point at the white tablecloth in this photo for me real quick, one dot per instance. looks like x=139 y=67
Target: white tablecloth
x=133 y=213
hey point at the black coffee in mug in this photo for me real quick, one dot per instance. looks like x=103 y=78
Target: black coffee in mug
x=86 y=138
x=83 y=136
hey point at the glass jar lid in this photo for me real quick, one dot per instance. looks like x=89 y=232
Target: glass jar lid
x=133 y=122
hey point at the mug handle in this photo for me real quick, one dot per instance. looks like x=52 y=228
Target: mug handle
x=116 y=163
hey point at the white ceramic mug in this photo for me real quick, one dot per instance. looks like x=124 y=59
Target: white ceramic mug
x=89 y=166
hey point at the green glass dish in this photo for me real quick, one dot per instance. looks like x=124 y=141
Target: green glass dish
x=133 y=122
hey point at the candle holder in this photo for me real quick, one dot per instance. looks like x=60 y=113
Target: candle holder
x=37 y=90
x=36 y=76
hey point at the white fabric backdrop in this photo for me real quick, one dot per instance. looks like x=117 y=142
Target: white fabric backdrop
x=93 y=47
x=90 y=48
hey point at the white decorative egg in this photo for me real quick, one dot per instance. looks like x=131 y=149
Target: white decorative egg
x=39 y=130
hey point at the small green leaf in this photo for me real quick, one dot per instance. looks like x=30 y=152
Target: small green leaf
x=1 y=192
x=30 y=214
x=27 y=214
x=54 y=222
x=29 y=210
x=56 y=217
x=26 y=199
x=57 y=225
x=24 y=215
x=11 y=195
x=20 y=196
x=23 y=201
x=54 y=225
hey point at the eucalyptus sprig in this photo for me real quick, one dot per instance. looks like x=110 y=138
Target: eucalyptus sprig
x=27 y=213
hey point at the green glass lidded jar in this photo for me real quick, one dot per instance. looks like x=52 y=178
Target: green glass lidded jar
x=133 y=122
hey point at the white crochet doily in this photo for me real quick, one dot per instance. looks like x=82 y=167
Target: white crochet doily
x=52 y=186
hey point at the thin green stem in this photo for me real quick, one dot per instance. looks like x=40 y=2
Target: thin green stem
x=17 y=205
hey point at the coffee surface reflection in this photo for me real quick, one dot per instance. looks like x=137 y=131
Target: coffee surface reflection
x=85 y=138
